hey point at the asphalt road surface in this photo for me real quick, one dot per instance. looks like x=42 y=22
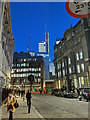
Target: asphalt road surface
x=57 y=107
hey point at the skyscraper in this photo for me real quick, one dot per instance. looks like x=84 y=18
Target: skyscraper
x=42 y=47
x=47 y=42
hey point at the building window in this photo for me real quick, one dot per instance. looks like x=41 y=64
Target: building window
x=59 y=66
x=78 y=68
x=77 y=56
x=63 y=64
x=82 y=67
x=39 y=80
x=33 y=69
x=73 y=33
x=39 y=69
x=58 y=74
x=24 y=64
x=63 y=72
x=39 y=74
x=70 y=70
x=81 y=81
x=21 y=65
x=27 y=64
x=24 y=60
x=81 y=54
x=11 y=75
x=69 y=61
x=12 y=71
x=29 y=69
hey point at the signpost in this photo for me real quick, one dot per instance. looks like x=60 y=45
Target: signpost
x=79 y=8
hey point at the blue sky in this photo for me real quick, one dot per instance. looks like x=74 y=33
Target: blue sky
x=31 y=17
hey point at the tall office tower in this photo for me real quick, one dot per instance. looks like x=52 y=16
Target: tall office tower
x=42 y=47
x=47 y=42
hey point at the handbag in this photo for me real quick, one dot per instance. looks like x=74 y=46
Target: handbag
x=16 y=105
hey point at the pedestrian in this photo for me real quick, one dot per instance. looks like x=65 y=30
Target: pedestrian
x=46 y=91
x=28 y=96
x=78 y=91
x=10 y=100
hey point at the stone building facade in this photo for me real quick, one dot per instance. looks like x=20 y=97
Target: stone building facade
x=72 y=57
x=6 y=45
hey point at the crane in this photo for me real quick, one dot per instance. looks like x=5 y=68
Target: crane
x=29 y=43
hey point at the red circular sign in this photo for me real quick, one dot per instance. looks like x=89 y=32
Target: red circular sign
x=78 y=9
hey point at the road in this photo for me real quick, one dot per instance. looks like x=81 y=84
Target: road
x=57 y=107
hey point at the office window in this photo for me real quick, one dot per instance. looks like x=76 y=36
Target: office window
x=78 y=68
x=63 y=72
x=82 y=67
x=81 y=54
x=21 y=65
x=77 y=56
x=30 y=69
x=33 y=69
x=39 y=74
x=24 y=60
x=27 y=64
x=58 y=74
x=11 y=75
x=59 y=65
x=39 y=80
x=12 y=70
x=69 y=60
x=24 y=64
x=63 y=64
x=39 y=69
x=70 y=70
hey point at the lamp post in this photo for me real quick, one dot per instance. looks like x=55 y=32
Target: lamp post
x=31 y=79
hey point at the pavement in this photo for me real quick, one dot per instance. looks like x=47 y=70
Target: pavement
x=22 y=111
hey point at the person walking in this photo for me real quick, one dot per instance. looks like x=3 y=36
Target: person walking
x=10 y=100
x=28 y=96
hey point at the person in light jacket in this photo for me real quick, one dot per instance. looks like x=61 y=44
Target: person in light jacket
x=10 y=101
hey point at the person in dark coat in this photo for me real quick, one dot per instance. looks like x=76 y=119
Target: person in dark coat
x=78 y=91
x=28 y=96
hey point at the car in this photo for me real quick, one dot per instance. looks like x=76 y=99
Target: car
x=84 y=93
x=68 y=94
x=57 y=92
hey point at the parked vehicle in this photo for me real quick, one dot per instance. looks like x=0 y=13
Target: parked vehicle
x=68 y=94
x=84 y=94
x=65 y=93
x=53 y=91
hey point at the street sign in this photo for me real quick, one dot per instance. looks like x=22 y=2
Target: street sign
x=79 y=8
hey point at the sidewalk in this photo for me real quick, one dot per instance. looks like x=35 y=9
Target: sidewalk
x=22 y=111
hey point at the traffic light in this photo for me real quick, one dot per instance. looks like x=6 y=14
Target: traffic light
x=31 y=79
